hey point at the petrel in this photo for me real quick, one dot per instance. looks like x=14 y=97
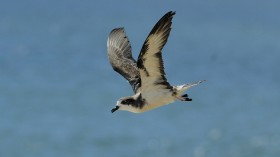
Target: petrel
x=146 y=75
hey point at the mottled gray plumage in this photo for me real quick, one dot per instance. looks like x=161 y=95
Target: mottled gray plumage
x=120 y=56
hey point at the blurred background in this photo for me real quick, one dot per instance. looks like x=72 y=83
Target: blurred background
x=57 y=87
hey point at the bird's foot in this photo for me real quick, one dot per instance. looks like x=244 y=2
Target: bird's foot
x=184 y=98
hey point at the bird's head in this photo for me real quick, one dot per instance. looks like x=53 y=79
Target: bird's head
x=125 y=103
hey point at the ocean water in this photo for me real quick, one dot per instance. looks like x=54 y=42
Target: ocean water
x=57 y=87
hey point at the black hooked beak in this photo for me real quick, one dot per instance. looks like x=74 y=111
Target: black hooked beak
x=115 y=109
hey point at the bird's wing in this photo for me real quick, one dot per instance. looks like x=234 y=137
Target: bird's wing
x=120 y=57
x=150 y=63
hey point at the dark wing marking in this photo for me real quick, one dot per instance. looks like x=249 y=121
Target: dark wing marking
x=120 y=57
x=150 y=61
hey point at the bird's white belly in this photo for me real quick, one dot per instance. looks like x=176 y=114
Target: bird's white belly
x=157 y=98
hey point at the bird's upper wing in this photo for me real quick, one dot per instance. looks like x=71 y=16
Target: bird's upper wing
x=120 y=57
x=150 y=61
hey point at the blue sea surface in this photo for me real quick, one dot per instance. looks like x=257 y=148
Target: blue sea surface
x=57 y=87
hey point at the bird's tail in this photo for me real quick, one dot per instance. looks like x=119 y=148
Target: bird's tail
x=184 y=87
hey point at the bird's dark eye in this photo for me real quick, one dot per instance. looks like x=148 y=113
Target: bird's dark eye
x=124 y=102
x=127 y=101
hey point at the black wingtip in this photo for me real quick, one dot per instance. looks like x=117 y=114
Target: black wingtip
x=171 y=13
x=168 y=15
x=164 y=23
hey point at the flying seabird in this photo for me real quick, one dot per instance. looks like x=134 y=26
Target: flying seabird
x=146 y=75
